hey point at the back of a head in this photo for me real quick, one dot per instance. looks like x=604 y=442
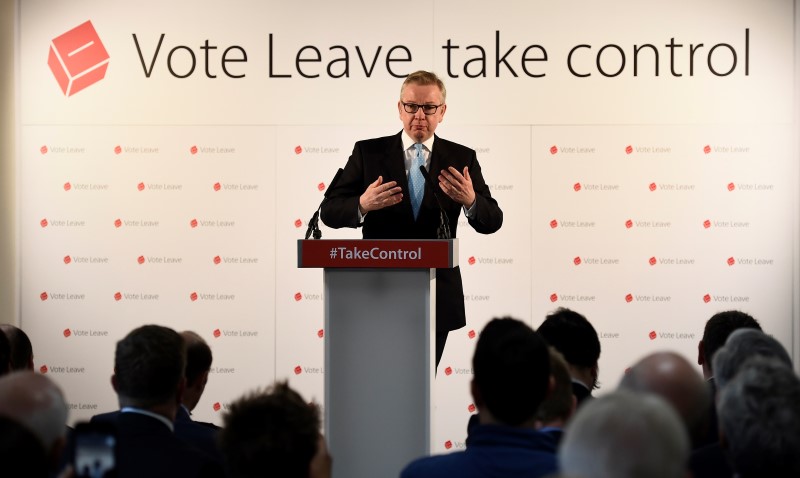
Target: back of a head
x=198 y=356
x=572 y=335
x=720 y=326
x=149 y=365
x=674 y=379
x=742 y=345
x=36 y=402
x=5 y=354
x=270 y=433
x=559 y=405
x=511 y=370
x=759 y=418
x=21 y=453
x=21 y=357
x=625 y=435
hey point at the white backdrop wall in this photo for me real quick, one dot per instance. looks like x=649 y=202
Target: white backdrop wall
x=644 y=156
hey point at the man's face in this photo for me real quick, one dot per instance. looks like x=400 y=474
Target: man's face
x=419 y=125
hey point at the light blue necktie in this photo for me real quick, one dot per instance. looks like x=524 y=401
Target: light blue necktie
x=416 y=182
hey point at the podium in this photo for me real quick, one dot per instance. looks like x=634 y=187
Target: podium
x=380 y=306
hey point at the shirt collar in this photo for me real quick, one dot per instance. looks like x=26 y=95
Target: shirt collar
x=158 y=417
x=408 y=142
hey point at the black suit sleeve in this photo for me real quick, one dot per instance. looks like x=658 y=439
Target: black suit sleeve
x=340 y=208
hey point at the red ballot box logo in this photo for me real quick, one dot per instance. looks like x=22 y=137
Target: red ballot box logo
x=78 y=58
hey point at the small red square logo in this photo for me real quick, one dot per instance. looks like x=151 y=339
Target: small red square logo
x=78 y=58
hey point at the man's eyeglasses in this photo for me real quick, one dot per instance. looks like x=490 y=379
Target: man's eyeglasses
x=426 y=109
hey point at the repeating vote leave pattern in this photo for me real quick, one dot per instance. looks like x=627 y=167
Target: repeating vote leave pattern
x=648 y=229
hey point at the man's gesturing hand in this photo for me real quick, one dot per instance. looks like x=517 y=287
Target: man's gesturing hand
x=458 y=186
x=379 y=195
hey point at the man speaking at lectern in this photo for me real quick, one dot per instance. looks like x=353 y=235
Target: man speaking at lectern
x=383 y=191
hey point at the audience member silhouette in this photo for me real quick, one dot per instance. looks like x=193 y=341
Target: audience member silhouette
x=21 y=356
x=274 y=433
x=673 y=378
x=5 y=354
x=37 y=403
x=625 y=435
x=575 y=337
x=715 y=333
x=560 y=405
x=741 y=346
x=511 y=379
x=759 y=418
x=149 y=380
x=21 y=453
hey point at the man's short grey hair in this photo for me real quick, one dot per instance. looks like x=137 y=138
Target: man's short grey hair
x=742 y=345
x=759 y=417
x=625 y=435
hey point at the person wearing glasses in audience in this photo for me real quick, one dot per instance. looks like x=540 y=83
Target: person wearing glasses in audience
x=383 y=192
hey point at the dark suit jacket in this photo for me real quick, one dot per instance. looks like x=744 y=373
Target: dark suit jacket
x=147 y=448
x=202 y=436
x=385 y=157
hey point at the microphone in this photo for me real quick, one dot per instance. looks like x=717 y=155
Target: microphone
x=443 y=232
x=313 y=223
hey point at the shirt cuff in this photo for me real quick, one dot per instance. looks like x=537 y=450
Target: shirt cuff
x=470 y=211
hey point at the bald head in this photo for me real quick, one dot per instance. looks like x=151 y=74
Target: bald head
x=674 y=379
x=36 y=402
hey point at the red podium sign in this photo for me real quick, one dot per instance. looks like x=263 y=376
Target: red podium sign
x=381 y=254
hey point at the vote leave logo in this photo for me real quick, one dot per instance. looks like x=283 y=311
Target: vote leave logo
x=707 y=298
x=43 y=296
x=471 y=260
x=652 y=261
x=629 y=298
x=628 y=224
x=448 y=444
x=217 y=406
x=78 y=58
x=43 y=222
x=298 y=149
x=653 y=335
x=553 y=224
x=653 y=186
x=118 y=296
x=118 y=223
x=553 y=297
x=628 y=149
x=706 y=223
x=298 y=223
x=553 y=149
x=193 y=223
x=217 y=333
x=193 y=296
x=117 y=149
x=193 y=150
x=67 y=259
x=67 y=333
x=471 y=334
x=471 y=408
x=731 y=261
x=298 y=296
x=577 y=260
x=43 y=149
x=321 y=333
x=576 y=187
x=43 y=369
x=298 y=370
x=448 y=371
x=707 y=149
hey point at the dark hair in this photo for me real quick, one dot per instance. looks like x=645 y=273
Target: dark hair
x=21 y=348
x=149 y=364
x=5 y=354
x=198 y=356
x=512 y=370
x=572 y=335
x=270 y=433
x=719 y=327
